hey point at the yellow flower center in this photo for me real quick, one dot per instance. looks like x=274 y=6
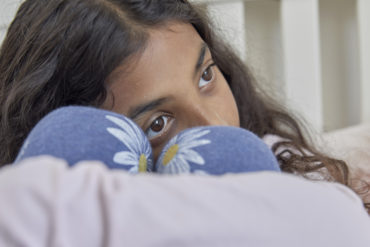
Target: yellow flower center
x=142 y=163
x=171 y=152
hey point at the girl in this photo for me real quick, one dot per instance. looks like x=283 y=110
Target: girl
x=158 y=62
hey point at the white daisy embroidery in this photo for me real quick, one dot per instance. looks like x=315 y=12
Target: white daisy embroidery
x=139 y=149
x=179 y=152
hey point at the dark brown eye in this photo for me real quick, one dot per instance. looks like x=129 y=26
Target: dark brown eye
x=207 y=76
x=157 y=127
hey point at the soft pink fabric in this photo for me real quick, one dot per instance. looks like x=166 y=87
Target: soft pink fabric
x=46 y=203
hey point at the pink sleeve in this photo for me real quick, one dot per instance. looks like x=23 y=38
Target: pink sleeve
x=46 y=203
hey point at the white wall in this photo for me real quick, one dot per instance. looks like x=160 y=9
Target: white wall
x=264 y=42
x=340 y=63
x=7 y=12
x=363 y=18
x=229 y=18
x=300 y=38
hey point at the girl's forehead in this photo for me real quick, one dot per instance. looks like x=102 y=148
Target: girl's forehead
x=173 y=41
x=171 y=54
x=174 y=31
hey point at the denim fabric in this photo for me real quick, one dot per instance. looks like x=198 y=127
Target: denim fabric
x=83 y=133
x=77 y=133
x=216 y=150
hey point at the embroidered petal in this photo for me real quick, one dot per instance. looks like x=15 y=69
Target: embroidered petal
x=124 y=138
x=134 y=170
x=126 y=158
x=179 y=162
x=193 y=134
x=180 y=167
x=196 y=143
x=193 y=156
x=125 y=125
x=182 y=163
x=130 y=128
x=147 y=150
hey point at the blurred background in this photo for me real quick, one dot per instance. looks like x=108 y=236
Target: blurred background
x=315 y=54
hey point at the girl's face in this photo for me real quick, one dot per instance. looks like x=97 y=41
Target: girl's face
x=173 y=85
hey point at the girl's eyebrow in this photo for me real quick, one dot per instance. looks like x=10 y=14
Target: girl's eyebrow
x=145 y=107
x=202 y=54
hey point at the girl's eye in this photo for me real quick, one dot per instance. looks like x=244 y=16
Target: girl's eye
x=207 y=76
x=157 y=127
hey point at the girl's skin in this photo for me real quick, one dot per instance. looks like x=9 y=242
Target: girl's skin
x=171 y=86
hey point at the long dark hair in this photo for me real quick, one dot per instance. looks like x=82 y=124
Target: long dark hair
x=60 y=52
